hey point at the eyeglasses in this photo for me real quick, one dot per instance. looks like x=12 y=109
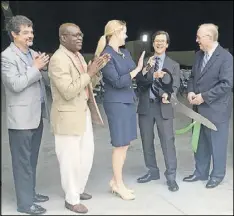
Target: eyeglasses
x=80 y=34
x=160 y=41
x=199 y=37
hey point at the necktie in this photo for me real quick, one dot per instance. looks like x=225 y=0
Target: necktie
x=156 y=66
x=205 y=60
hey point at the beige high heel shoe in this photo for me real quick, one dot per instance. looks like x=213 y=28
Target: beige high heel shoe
x=124 y=194
x=112 y=184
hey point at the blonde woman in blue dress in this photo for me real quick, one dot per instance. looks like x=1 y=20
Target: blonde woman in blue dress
x=119 y=99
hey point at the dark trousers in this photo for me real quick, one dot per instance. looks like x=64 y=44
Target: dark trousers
x=212 y=144
x=167 y=139
x=24 y=146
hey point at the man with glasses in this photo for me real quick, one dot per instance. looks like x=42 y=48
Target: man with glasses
x=153 y=109
x=26 y=105
x=72 y=113
x=210 y=90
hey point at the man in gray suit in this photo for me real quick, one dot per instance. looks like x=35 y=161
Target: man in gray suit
x=26 y=103
x=210 y=90
x=153 y=109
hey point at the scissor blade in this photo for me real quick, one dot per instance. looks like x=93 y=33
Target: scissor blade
x=179 y=107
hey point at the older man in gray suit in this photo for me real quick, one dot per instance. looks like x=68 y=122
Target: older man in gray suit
x=153 y=109
x=26 y=103
x=210 y=90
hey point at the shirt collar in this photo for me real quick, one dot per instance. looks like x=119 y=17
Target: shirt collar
x=75 y=54
x=161 y=57
x=25 y=53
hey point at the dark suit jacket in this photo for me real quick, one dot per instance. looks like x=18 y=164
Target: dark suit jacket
x=215 y=84
x=143 y=105
x=116 y=76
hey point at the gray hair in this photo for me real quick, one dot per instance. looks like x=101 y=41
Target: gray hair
x=212 y=29
x=15 y=23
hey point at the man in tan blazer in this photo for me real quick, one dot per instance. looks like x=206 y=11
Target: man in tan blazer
x=73 y=111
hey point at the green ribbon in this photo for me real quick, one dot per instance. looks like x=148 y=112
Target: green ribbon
x=195 y=133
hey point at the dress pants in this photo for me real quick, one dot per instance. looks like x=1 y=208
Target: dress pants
x=212 y=145
x=24 y=146
x=167 y=140
x=75 y=157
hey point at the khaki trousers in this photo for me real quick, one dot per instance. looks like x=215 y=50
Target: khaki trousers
x=75 y=157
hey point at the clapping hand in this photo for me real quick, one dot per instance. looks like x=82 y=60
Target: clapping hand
x=40 y=60
x=141 y=61
x=97 y=64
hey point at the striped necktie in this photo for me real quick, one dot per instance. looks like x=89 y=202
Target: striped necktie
x=156 y=66
x=205 y=60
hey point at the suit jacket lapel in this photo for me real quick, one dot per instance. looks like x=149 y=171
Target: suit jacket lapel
x=165 y=63
x=200 y=64
x=197 y=67
x=19 y=53
x=209 y=63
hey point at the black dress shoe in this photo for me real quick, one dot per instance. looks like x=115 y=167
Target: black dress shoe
x=40 y=198
x=33 y=210
x=85 y=196
x=193 y=178
x=146 y=178
x=212 y=183
x=172 y=186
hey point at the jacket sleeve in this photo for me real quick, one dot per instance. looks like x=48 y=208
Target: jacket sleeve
x=111 y=75
x=147 y=79
x=15 y=80
x=45 y=76
x=96 y=79
x=60 y=76
x=225 y=83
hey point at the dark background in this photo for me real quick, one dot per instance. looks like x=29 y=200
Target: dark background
x=179 y=18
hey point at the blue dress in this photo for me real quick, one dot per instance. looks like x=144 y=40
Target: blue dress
x=119 y=97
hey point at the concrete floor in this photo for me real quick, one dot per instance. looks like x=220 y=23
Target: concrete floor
x=151 y=198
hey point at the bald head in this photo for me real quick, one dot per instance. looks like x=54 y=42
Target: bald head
x=71 y=36
x=210 y=29
x=66 y=28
